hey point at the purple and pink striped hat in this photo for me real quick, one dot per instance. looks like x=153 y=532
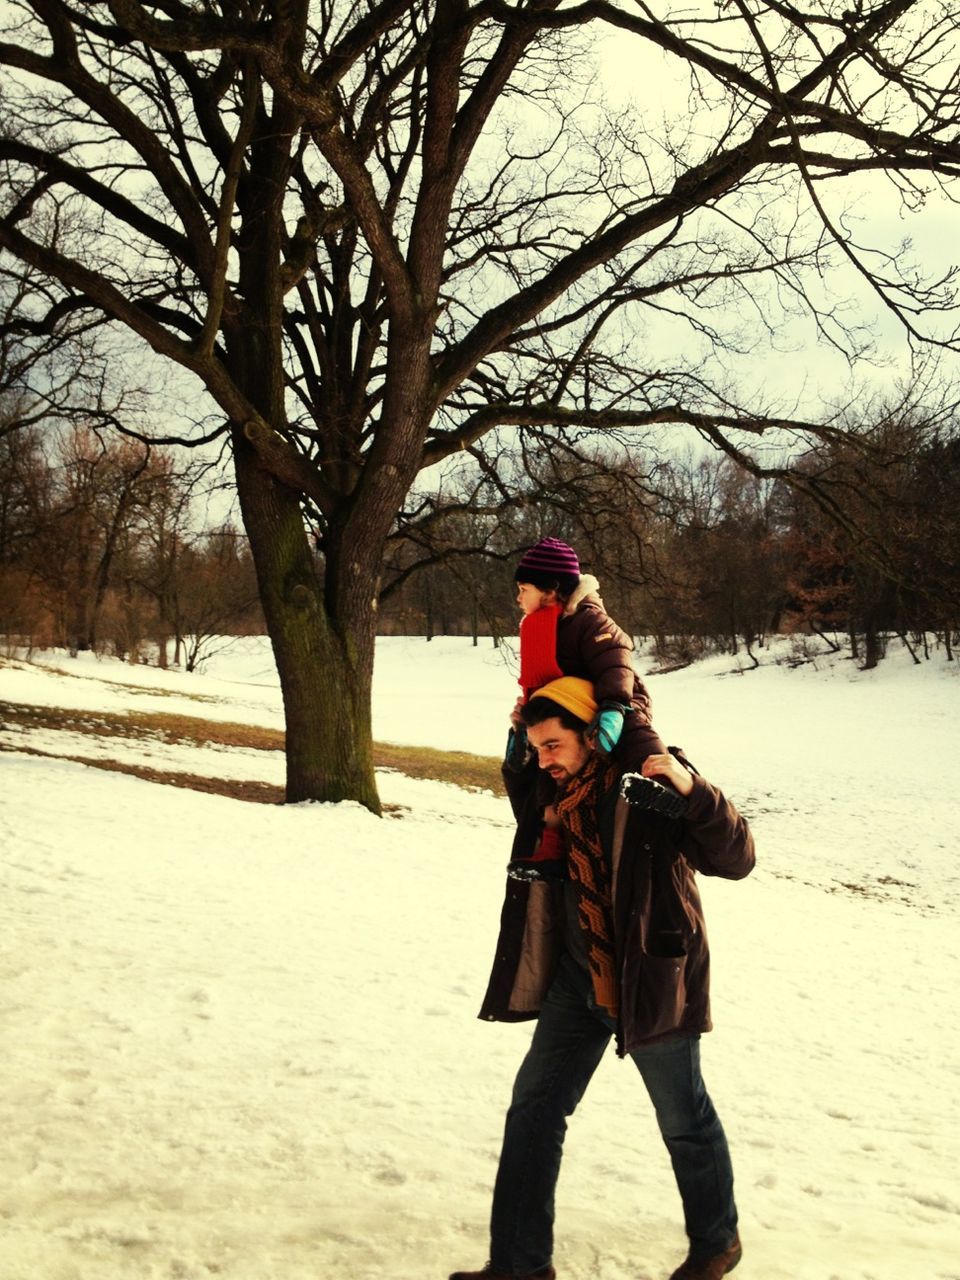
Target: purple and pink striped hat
x=551 y=563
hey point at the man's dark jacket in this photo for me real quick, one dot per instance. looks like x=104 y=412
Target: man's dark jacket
x=661 y=943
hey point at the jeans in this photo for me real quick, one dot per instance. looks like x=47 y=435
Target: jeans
x=568 y=1043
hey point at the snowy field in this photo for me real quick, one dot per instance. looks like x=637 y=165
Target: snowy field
x=240 y=1040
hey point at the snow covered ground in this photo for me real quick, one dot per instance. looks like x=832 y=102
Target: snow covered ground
x=240 y=1041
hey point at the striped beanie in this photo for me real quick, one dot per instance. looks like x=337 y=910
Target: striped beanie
x=550 y=564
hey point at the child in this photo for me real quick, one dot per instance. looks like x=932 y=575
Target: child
x=565 y=631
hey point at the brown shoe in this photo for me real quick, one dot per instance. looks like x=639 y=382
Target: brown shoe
x=710 y=1268
x=489 y=1272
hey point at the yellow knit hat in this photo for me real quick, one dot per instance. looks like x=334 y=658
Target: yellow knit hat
x=573 y=694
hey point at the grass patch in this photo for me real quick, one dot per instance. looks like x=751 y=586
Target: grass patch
x=461 y=768
x=473 y=773
x=158 y=726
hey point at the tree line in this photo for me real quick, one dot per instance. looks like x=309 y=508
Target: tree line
x=859 y=539
x=104 y=546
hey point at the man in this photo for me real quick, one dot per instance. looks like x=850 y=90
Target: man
x=616 y=949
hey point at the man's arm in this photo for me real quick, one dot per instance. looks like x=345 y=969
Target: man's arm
x=715 y=839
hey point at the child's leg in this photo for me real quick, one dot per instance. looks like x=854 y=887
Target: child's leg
x=638 y=741
x=548 y=859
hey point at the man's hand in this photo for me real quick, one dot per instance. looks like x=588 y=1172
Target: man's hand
x=644 y=790
x=669 y=769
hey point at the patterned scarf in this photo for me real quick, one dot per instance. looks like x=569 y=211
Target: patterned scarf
x=577 y=810
x=538 y=648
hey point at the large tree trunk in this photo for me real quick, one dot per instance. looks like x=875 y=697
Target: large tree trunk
x=325 y=664
x=323 y=640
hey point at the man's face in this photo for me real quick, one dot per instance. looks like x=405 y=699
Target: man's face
x=561 y=751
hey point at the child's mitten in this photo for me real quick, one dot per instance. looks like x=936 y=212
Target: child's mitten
x=605 y=727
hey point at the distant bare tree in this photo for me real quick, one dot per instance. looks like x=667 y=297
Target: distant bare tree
x=217 y=594
x=95 y=491
x=895 y=564
x=168 y=540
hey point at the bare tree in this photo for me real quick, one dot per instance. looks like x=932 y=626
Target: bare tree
x=374 y=233
x=56 y=364
x=896 y=567
x=169 y=556
x=25 y=500
x=93 y=491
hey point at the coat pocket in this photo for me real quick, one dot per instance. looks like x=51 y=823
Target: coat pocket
x=659 y=995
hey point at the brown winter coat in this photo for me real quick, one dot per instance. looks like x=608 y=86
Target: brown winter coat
x=592 y=646
x=662 y=952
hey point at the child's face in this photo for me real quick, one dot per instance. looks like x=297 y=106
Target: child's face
x=531 y=598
